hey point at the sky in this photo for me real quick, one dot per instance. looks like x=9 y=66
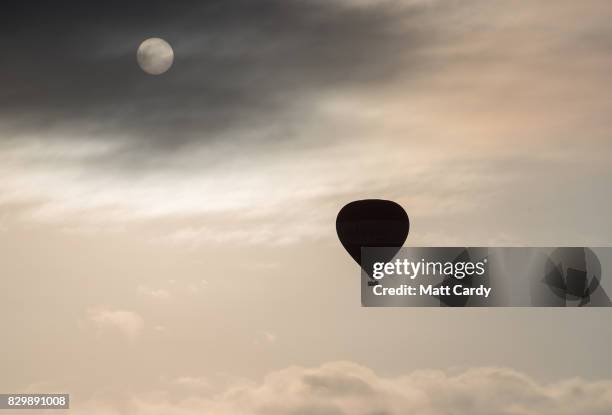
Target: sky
x=167 y=243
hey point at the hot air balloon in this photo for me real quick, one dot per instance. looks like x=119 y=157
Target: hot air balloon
x=372 y=223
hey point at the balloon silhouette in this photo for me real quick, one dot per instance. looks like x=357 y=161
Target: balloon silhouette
x=372 y=223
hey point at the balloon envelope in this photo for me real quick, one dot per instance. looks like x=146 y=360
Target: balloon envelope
x=372 y=223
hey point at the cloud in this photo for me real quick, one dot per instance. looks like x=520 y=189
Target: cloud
x=154 y=293
x=191 y=382
x=265 y=337
x=279 y=112
x=240 y=65
x=127 y=323
x=345 y=388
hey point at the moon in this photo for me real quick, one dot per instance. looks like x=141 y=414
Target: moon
x=155 y=56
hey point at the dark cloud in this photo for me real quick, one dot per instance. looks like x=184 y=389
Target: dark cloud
x=240 y=64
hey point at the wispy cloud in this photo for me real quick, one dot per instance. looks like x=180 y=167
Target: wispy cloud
x=127 y=323
x=265 y=338
x=154 y=293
